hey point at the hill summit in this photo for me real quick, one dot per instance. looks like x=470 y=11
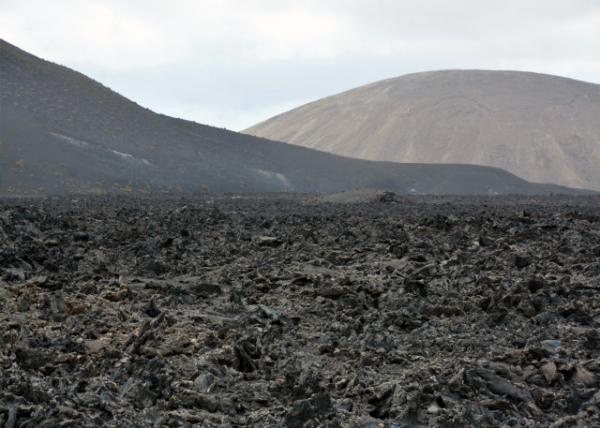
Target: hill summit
x=542 y=128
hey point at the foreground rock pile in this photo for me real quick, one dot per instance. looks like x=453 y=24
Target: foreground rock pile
x=272 y=312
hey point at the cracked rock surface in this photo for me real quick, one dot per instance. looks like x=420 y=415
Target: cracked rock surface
x=270 y=311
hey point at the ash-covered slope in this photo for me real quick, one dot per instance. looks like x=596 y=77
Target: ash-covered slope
x=63 y=132
x=542 y=128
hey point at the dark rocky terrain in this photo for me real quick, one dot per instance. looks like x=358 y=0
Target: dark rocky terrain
x=61 y=132
x=290 y=311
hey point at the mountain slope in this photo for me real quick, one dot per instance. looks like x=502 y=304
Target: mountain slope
x=539 y=127
x=62 y=132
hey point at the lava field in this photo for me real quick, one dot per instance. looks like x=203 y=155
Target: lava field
x=292 y=311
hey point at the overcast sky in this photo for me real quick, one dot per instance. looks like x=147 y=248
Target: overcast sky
x=234 y=63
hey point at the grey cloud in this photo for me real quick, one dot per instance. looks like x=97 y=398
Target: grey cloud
x=232 y=63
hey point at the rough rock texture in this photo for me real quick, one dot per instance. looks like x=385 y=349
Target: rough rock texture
x=541 y=128
x=254 y=311
x=357 y=197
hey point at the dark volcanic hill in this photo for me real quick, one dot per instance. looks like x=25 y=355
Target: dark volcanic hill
x=542 y=128
x=62 y=132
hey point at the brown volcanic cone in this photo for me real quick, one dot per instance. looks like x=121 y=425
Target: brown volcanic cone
x=542 y=128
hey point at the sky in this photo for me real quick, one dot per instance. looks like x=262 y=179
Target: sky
x=234 y=63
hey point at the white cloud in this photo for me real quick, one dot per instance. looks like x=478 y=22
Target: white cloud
x=230 y=117
x=241 y=59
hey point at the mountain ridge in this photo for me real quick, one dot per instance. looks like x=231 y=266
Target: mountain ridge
x=62 y=132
